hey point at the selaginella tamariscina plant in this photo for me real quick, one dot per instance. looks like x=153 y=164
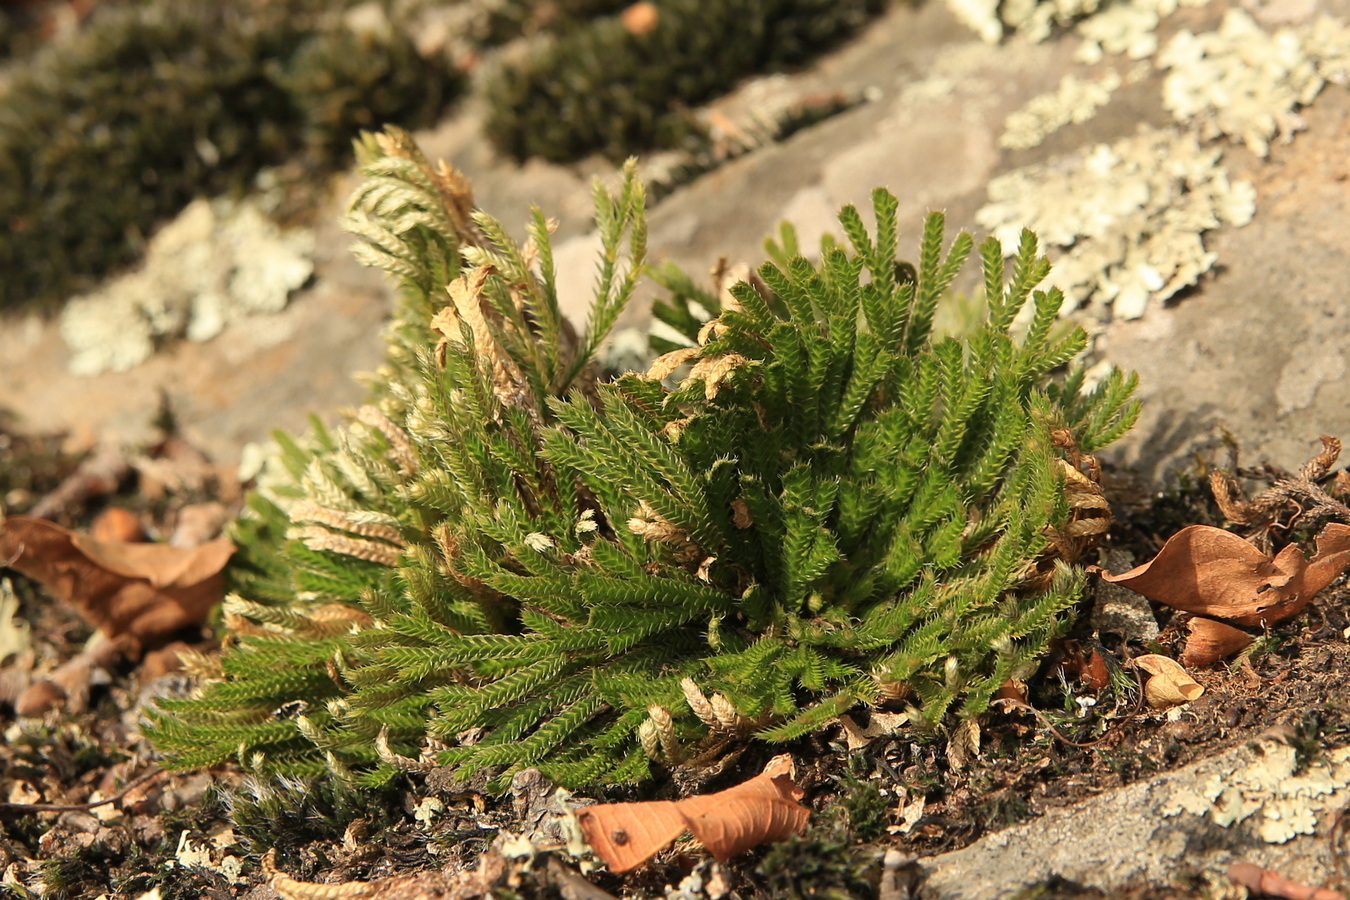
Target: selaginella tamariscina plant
x=504 y=561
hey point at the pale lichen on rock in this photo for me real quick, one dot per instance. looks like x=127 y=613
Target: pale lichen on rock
x=1281 y=798
x=1131 y=216
x=1122 y=27
x=1129 y=29
x=1244 y=82
x=1074 y=101
x=215 y=263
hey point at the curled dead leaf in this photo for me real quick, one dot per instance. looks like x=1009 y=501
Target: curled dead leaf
x=1169 y=685
x=1211 y=641
x=137 y=594
x=1216 y=574
x=1014 y=690
x=761 y=810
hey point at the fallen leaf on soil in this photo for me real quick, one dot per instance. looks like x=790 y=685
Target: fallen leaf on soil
x=1170 y=684
x=1084 y=662
x=1272 y=884
x=137 y=594
x=1213 y=573
x=1212 y=640
x=116 y=524
x=759 y=811
x=640 y=18
x=1012 y=689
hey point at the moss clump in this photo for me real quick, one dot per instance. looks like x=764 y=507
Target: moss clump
x=506 y=19
x=153 y=103
x=506 y=563
x=603 y=89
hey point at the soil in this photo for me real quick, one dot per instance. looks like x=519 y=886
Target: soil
x=216 y=834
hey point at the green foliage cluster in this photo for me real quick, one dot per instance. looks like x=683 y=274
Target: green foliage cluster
x=603 y=89
x=506 y=563
x=157 y=101
x=508 y=19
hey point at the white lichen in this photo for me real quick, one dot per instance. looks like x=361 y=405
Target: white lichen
x=1123 y=25
x=217 y=262
x=1036 y=19
x=1280 y=801
x=980 y=16
x=1130 y=217
x=1128 y=28
x=1073 y=102
x=1239 y=81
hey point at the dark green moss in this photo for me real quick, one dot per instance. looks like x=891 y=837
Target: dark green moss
x=516 y=17
x=825 y=863
x=156 y=102
x=285 y=814
x=602 y=89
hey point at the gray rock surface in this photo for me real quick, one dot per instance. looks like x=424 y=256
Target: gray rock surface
x=1254 y=347
x=1248 y=804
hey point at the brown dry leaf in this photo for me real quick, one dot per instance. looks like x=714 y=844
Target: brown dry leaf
x=117 y=524
x=1014 y=690
x=640 y=18
x=1214 y=573
x=1268 y=883
x=1211 y=641
x=1170 y=684
x=761 y=810
x=138 y=593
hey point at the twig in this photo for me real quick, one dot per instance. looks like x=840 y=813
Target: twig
x=98 y=475
x=572 y=886
x=82 y=807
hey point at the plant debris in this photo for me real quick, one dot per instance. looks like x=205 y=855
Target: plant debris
x=138 y=594
x=762 y=810
x=1169 y=684
x=1214 y=574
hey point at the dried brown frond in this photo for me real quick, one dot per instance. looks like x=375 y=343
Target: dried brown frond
x=1320 y=465
x=713 y=370
x=509 y=384
x=316 y=537
x=309 y=511
x=666 y=363
x=1291 y=501
x=401 y=448
x=452 y=187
